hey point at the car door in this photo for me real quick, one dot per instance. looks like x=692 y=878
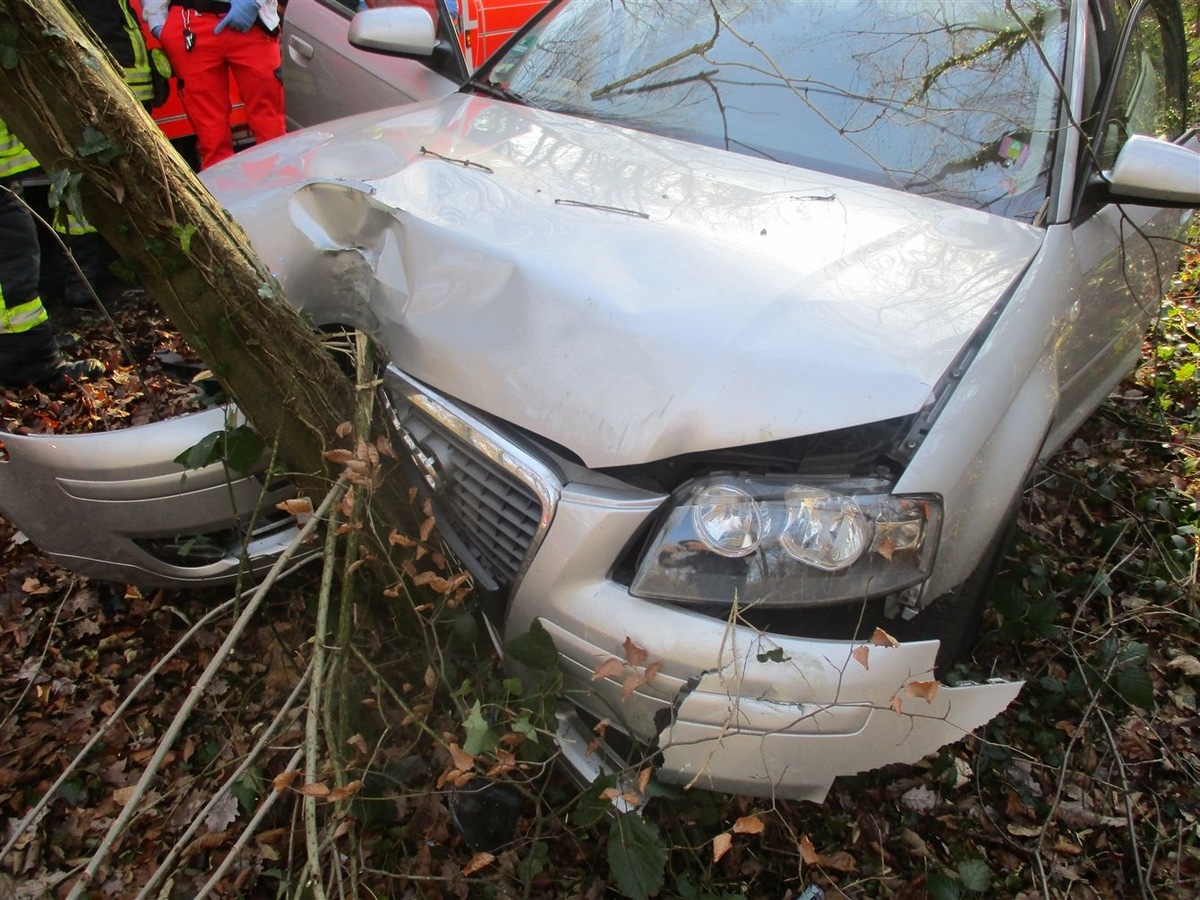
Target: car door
x=326 y=78
x=1127 y=253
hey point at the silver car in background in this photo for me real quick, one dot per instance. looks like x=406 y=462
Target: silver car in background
x=724 y=333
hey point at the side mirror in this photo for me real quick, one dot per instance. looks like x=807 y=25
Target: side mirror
x=1154 y=172
x=405 y=30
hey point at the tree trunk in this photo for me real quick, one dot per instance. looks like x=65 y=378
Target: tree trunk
x=66 y=100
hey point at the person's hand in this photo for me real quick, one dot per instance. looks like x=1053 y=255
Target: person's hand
x=242 y=14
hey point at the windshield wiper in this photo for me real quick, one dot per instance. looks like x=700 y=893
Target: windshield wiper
x=492 y=89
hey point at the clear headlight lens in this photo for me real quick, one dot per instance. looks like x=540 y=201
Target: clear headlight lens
x=826 y=531
x=771 y=540
x=728 y=520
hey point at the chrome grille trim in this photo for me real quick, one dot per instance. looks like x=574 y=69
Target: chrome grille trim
x=501 y=497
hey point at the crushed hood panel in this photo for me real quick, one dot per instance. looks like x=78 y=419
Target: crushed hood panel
x=624 y=295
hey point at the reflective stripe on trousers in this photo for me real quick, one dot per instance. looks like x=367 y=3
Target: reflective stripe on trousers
x=23 y=317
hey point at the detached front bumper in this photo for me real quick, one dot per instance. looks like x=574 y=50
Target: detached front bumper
x=115 y=505
x=730 y=708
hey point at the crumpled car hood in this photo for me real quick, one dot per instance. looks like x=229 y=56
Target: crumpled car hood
x=627 y=296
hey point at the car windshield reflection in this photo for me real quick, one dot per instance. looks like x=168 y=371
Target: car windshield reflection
x=957 y=100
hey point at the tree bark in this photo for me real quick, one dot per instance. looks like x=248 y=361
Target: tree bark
x=66 y=100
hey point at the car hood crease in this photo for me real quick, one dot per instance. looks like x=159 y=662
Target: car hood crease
x=627 y=296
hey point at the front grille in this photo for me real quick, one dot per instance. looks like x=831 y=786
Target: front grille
x=494 y=514
x=494 y=499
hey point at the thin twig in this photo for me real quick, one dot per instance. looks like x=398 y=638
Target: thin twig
x=133 y=805
x=251 y=828
x=267 y=736
x=313 y=719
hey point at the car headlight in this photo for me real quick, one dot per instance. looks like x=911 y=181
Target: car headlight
x=781 y=541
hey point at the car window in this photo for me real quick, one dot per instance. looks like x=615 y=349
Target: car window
x=958 y=100
x=1145 y=99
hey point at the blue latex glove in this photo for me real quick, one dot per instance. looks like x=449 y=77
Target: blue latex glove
x=242 y=15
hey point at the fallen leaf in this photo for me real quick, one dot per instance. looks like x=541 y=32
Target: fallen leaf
x=222 y=814
x=346 y=792
x=643 y=780
x=284 y=779
x=396 y=537
x=1187 y=664
x=808 y=852
x=314 y=789
x=926 y=690
x=426 y=529
x=297 y=506
x=1078 y=817
x=634 y=655
x=631 y=684
x=479 y=861
x=915 y=843
x=920 y=799
x=384 y=446
x=721 y=844
x=881 y=638
x=341 y=457
x=121 y=796
x=749 y=825
x=1023 y=830
x=861 y=655
x=652 y=672
x=1066 y=848
x=610 y=668
x=463 y=761
x=840 y=861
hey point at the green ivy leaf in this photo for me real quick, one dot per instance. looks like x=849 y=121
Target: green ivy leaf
x=238 y=448
x=975 y=875
x=534 y=648
x=183 y=234
x=523 y=726
x=248 y=788
x=535 y=862
x=591 y=806
x=243 y=449
x=942 y=886
x=201 y=453
x=480 y=736
x=1133 y=654
x=71 y=790
x=1135 y=687
x=96 y=144
x=637 y=857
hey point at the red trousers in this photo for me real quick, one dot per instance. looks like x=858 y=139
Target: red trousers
x=252 y=58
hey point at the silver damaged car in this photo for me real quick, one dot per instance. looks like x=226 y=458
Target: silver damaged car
x=729 y=329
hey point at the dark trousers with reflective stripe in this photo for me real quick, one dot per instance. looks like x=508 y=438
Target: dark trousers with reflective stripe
x=28 y=355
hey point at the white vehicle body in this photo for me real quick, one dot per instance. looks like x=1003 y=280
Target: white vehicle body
x=734 y=410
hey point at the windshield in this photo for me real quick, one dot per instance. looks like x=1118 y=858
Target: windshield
x=956 y=99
